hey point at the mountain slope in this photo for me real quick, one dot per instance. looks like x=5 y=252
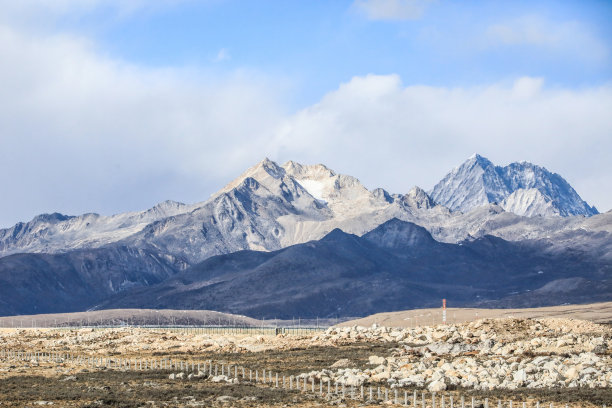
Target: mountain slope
x=396 y=266
x=42 y=283
x=478 y=182
x=529 y=202
x=271 y=207
x=53 y=233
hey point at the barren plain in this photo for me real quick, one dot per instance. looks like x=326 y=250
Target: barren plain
x=563 y=362
x=594 y=312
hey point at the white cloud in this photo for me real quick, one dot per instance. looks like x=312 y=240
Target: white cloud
x=57 y=7
x=392 y=9
x=557 y=36
x=80 y=132
x=527 y=87
x=42 y=15
x=395 y=136
x=222 y=55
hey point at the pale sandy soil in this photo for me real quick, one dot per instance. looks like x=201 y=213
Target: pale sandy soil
x=129 y=316
x=595 y=312
x=163 y=317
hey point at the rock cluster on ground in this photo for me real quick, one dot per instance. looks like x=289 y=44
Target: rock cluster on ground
x=484 y=355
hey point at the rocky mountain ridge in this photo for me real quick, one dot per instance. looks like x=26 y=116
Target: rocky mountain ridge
x=271 y=207
x=522 y=188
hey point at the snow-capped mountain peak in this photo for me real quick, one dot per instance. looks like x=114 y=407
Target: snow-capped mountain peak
x=480 y=160
x=478 y=182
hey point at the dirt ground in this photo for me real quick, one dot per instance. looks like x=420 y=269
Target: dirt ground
x=31 y=384
x=594 y=312
x=70 y=385
x=154 y=389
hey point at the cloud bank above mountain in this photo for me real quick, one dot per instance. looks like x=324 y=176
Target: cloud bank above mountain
x=387 y=133
x=391 y=9
x=84 y=131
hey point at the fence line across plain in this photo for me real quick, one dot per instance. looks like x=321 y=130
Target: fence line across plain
x=263 y=330
x=428 y=400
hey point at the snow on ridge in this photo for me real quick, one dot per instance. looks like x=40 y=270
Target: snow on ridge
x=478 y=182
x=315 y=188
x=529 y=202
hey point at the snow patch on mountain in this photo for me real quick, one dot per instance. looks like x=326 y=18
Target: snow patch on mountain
x=315 y=188
x=529 y=202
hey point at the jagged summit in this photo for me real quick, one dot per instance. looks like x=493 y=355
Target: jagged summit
x=312 y=171
x=262 y=171
x=478 y=182
x=382 y=194
x=418 y=198
x=477 y=158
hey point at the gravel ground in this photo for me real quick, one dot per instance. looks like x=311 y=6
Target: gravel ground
x=27 y=384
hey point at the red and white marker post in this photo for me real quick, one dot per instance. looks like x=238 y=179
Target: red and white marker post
x=444 y=311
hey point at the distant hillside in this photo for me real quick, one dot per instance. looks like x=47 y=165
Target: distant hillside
x=43 y=283
x=394 y=267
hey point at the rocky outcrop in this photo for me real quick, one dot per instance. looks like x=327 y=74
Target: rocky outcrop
x=483 y=355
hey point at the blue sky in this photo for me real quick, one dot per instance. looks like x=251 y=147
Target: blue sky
x=115 y=105
x=317 y=45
